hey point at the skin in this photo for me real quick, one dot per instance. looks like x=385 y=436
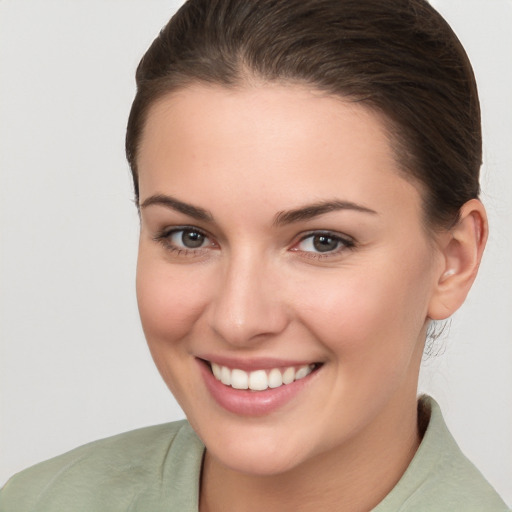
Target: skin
x=257 y=288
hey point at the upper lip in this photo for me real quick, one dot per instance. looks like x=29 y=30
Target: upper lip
x=251 y=364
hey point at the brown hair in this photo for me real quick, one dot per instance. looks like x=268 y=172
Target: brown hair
x=398 y=57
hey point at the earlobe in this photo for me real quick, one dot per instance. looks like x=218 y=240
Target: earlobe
x=462 y=250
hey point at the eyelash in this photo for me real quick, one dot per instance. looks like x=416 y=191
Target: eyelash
x=343 y=243
x=165 y=238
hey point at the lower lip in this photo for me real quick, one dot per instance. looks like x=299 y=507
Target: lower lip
x=247 y=402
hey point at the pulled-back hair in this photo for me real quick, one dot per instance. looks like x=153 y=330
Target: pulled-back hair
x=397 y=57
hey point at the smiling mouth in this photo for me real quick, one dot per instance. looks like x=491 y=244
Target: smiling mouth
x=260 y=380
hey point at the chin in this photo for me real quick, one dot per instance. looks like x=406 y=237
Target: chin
x=254 y=460
x=260 y=448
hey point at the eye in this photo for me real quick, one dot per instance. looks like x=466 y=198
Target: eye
x=322 y=243
x=184 y=240
x=188 y=239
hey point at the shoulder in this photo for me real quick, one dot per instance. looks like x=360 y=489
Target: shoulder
x=110 y=474
x=440 y=477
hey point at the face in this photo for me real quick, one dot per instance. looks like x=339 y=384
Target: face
x=282 y=253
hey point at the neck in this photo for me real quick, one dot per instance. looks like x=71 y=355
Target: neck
x=353 y=478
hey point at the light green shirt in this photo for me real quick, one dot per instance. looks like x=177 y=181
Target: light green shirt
x=157 y=469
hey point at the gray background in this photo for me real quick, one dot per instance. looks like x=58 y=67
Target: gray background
x=73 y=362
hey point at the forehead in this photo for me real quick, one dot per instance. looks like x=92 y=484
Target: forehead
x=256 y=141
x=260 y=113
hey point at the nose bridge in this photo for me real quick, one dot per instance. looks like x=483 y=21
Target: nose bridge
x=247 y=305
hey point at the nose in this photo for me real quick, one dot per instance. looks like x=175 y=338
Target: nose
x=247 y=307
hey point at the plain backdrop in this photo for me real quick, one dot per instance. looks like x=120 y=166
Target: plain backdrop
x=74 y=366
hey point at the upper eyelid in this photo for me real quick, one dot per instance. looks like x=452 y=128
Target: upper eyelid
x=164 y=235
x=300 y=236
x=342 y=236
x=174 y=229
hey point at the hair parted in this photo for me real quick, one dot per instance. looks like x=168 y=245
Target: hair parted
x=397 y=57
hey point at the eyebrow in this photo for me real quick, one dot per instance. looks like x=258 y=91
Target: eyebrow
x=174 y=204
x=315 y=210
x=282 y=218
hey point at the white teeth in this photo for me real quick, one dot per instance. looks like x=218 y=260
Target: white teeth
x=225 y=375
x=302 y=372
x=239 y=379
x=289 y=375
x=259 y=380
x=216 y=370
x=275 y=379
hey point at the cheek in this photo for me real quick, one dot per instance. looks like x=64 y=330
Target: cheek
x=169 y=302
x=365 y=314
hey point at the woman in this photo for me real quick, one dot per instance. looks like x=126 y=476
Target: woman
x=307 y=180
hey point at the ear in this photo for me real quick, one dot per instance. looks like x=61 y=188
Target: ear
x=462 y=248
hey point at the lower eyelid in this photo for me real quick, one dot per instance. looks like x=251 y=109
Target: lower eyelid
x=181 y=252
